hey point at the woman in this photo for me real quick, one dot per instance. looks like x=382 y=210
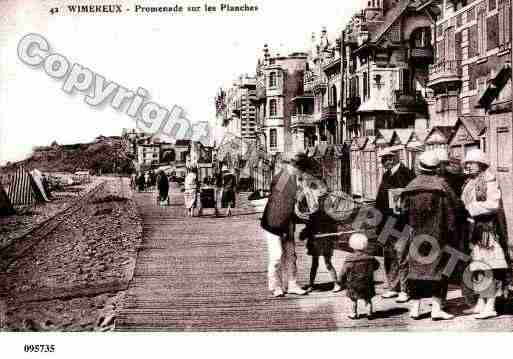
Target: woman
x=430 y=207
x=228 y=197
x=191 y=191
x=482 y=198
x=163 y=187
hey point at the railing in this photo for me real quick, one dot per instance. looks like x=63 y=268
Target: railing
x=301 y=120
x=308 y=84
x=329 y=113
x=421 y=53
x=445 y=68
x=320 y=83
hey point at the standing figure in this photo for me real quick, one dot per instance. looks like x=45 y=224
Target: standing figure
x=396 y=175
x=163 y=187
x=218 y=190
x=430 y=207
x=278 y=224
x=228 y=197
x=147 y=180
x=191 y=191
x=358 y=274
x=488 y=238
x=141 y=182
x=311 y=198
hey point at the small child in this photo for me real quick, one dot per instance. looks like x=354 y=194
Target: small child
x=358 y=272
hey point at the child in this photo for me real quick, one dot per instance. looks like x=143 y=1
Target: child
x=358 y=272
x=313 y=201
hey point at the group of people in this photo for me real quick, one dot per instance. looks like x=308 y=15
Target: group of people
x=224 y=194
x=143 y=181
x=449 y=226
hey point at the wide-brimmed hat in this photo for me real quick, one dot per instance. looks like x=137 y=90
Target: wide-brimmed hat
x=428 y=161
x=386 y=152
x=358 y=242
x=306 y=164
x=476 y=155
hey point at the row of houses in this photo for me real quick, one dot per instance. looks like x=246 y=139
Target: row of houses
x=417 y=74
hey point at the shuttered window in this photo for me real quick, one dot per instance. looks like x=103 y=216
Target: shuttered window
x=481 y=33
x=472 y=41
x=492 y=24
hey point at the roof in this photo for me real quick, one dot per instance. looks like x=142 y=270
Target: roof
x=474 y=124
x=374 y=104
x=386 y=135
x=446 y=132
x=421 y=134
x=182 y=142
x=404 y=134
x=390 y=17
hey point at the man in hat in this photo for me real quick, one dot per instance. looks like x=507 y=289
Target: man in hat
x=430 y=206
x=451 y=170
x=278 y=224
x=396 y=175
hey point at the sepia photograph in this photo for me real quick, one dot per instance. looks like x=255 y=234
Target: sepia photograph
x=252 y=168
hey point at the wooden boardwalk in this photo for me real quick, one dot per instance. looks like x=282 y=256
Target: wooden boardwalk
x=209 y=274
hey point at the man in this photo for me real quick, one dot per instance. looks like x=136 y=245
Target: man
x=278 y=224
x=431 y=207
x=396 y=175
x=451 y=170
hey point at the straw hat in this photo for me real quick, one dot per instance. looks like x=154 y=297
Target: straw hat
x=428 y=161
x=358 y=241
x=476 y=155
x=306 y=164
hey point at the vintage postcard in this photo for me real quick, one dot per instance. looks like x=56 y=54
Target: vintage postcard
x=181 y=166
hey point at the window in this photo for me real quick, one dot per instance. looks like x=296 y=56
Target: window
x=481 y=33
x=405 y=81
x=272 y=108
x=365 y=86
x=333 y=99
x=504 y=23
x=272 y=79
x=491 y=5
x=273 y=138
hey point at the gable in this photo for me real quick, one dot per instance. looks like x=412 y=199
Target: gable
x=462 y=136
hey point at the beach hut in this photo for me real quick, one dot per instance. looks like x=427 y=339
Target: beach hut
x=37 y=176
x=438 y=138
x=23 y=189
x=356 y=166
x=468 y=134
x=415 y=146
x=370 y=169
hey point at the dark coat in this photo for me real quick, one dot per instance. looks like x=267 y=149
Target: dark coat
x=279 y=210
x=228 y=190
x=400 y=179
x=358 y=273
x=163 y=185
x=431 y=209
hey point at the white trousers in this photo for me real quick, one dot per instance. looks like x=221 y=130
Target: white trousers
x=281 y=251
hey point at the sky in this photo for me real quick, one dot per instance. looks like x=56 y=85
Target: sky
x=181 y=59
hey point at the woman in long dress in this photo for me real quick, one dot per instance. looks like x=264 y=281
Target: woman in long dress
x=482 y=198
x=191 y=191
x=163 y=186
x=228 y=197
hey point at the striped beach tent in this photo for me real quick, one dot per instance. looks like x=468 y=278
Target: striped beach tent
x=23 y=189
x=37 y=176
x=6 y=208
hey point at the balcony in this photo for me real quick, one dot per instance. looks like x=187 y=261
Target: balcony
x=308 y=83
x=302 y=120
x=423 y=55
x=409 y=102
x=329 y=113
x=320 y=84
x=445 y=73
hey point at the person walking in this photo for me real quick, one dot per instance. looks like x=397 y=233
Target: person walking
x=218 y=190
x=396 y=175
x=191 y=191
x=141 y=181
x=430 y=206
x=482 y=198
x=278 y=224
x=228 y=196
x=163 y=187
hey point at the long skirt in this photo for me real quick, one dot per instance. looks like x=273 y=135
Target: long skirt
x=190 y=198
